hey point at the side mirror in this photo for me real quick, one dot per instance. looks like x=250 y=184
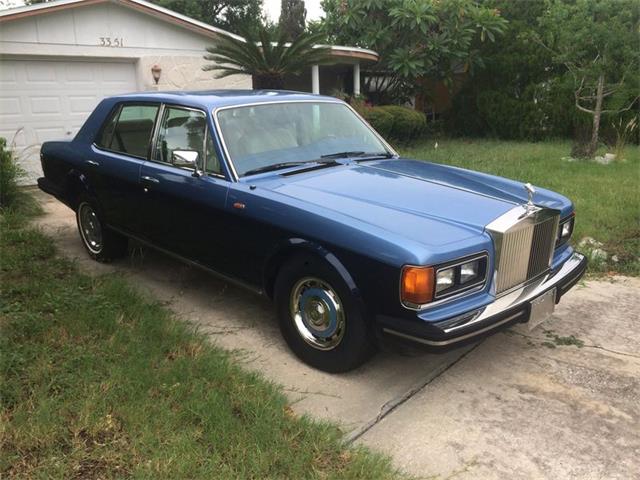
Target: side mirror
x=186 y=159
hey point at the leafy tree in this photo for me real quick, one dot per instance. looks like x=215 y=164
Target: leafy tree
x=293 y=17
x=415 y=38
x=267 y=57
x=232 y=15
x=519 y=92
x=597 y=42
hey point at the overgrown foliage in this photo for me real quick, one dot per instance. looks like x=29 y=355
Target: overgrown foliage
x=523 y=91
x=10 y=173
x=268 y=57
x=415 y=39
x=520 y=93
x=98 y=382
x=597 y=43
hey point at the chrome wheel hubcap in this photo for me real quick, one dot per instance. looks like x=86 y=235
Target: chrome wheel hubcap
x=317 y=313
x=90 y=228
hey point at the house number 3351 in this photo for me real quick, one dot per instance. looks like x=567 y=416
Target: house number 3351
x=111 y=42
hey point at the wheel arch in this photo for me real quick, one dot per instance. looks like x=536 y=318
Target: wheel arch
x=292 y=246
x=76 y=184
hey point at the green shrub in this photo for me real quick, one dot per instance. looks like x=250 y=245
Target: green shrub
x=407 y=123
x=379 y=119
x=10 y=173
x=395 y=122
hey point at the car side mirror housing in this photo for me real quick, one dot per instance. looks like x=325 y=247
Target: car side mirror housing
x=186 y=159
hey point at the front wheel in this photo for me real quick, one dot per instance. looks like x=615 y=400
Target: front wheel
x=102 y=243
x=319 y=318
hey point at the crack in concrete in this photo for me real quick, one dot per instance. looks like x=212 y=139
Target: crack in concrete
x=308 y=392
x=391 y=405
x=586 y=345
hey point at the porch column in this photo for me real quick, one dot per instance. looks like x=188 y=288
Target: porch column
x=315 y=79
x=356 y=79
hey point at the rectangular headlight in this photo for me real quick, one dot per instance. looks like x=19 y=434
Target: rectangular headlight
x=565 y=230
x=445 y=279
x=469 y=271
x=460 y=276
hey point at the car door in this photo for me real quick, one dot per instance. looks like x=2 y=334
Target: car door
x=184 y=206
x=114 y=161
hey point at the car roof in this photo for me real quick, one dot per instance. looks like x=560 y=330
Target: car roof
x=211 y=99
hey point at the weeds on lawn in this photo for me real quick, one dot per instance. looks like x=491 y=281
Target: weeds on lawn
x=99 y=382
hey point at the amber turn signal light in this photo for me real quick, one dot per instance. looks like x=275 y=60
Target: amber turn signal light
x=416 y=285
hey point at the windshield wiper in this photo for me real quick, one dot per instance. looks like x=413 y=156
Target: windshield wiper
x=358 y=154
x=272 y=167
x=281 y=165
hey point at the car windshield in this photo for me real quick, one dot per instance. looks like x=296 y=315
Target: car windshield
x=278 y=135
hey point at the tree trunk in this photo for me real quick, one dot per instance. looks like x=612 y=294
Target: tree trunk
x=268 y=82
x=597 y=113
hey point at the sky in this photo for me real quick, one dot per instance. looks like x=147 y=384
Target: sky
x=272 y=9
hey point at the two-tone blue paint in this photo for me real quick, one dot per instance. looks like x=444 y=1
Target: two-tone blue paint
x=366 y=219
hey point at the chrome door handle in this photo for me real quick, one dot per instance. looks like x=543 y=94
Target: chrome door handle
x=92 y=163
x=149 y=179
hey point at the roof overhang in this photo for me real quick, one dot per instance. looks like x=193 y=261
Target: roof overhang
x=140 y=5
x=355 y=53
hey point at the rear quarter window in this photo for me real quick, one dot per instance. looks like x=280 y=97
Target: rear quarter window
x=128 y=130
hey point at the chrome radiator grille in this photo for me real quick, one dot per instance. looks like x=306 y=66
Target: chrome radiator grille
x=524 y=243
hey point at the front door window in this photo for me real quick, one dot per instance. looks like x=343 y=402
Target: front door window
x=182 y=131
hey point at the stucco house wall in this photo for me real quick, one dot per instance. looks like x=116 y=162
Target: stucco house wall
x=58 y=60
x=117 y=32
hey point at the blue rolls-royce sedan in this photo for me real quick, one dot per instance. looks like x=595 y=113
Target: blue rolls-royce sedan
x=296 y=197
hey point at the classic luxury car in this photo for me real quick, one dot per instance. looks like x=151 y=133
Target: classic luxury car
x=296 y=197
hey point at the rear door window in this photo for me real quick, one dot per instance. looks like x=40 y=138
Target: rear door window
x=129 y=130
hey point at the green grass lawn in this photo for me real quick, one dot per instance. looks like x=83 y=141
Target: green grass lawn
x=99 y=382
x=607 y=197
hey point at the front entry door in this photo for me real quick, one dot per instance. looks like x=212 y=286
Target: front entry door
x=184 y=204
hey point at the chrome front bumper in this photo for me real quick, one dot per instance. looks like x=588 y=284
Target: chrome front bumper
x=511 y=308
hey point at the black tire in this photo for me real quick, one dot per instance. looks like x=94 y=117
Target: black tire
x=354 y=345
x=104 y=246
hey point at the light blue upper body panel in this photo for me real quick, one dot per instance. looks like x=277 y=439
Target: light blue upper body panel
x=437 y=208
x=212 y=99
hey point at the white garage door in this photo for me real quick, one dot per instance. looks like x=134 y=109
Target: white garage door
x=44 y=100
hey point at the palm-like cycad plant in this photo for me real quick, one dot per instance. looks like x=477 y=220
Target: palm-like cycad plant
x=267 y=57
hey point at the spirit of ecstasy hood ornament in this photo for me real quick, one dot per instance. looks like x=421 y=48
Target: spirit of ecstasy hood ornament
x=530 y=191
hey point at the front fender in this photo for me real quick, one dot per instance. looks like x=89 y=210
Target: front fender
x=294 y=245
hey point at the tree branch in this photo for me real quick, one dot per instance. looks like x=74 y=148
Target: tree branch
x=628 y=107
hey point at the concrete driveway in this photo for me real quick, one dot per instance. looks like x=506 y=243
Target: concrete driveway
x=561 y=401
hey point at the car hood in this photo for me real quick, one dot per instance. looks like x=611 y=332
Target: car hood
x=430 y=203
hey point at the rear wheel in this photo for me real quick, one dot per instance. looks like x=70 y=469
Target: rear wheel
x=102 y=243
x=319 y=318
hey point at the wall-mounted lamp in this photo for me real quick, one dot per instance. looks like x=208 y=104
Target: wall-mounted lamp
x=156 y=71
